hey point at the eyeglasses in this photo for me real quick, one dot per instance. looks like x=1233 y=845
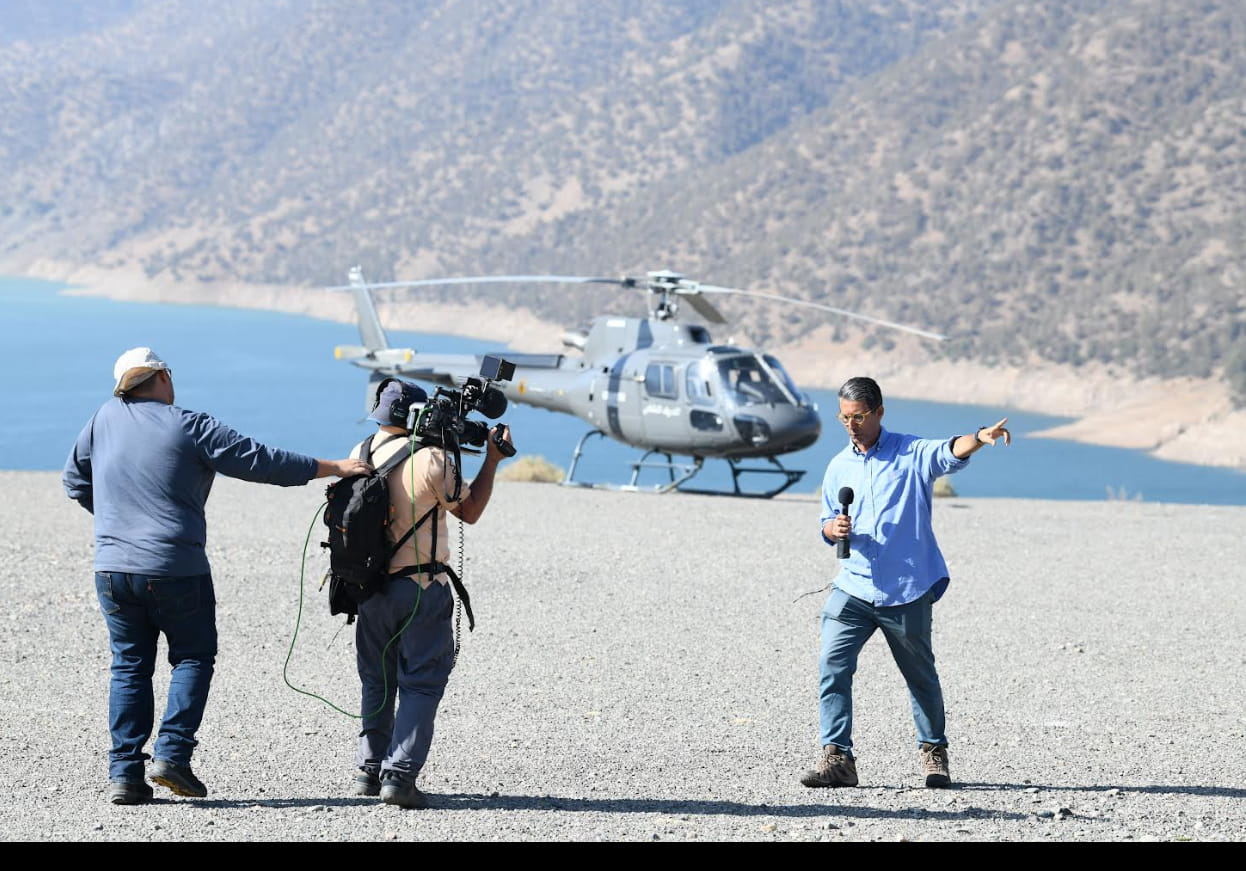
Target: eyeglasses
x=860 y=417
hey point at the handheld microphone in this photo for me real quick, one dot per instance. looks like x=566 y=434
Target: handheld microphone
x=845 y=499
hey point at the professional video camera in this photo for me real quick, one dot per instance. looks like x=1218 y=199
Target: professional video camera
x=443 y=421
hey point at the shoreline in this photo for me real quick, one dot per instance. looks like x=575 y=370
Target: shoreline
x=1184 y=420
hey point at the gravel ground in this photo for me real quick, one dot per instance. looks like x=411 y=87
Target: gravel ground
x=643 y=669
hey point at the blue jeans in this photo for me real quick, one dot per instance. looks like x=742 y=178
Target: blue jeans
x=417 y=668
x=137 y=608
x=847 y=623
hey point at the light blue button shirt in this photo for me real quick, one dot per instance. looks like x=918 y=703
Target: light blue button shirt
x=893 y=556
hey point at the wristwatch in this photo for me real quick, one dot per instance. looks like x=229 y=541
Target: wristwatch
x=975 y=435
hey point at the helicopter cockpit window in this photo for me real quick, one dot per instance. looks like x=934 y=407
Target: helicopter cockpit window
x=749 y=383
x=660 y=381
x=697 y=383
x=777 y=368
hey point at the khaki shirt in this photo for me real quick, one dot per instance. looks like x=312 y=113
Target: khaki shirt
x=433 y=483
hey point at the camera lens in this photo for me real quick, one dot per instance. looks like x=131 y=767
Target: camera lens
x=474 y=433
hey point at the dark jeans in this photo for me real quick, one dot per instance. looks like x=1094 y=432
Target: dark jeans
x=137 y=608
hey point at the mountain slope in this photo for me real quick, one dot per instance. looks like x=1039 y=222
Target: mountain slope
x=1050 y=183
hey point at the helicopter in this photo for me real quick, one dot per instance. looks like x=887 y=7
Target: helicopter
x=657 y=383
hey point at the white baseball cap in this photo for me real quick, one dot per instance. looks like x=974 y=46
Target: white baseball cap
x=134 y=367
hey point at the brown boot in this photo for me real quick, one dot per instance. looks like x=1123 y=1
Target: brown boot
x=835 y=768
x=934 y=763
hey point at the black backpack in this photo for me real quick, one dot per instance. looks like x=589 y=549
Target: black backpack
x=358 y=514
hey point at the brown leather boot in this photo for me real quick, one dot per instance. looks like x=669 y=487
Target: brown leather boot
x=934 y=763
x=835 y=768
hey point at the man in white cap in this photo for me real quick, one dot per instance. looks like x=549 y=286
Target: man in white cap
x=144 y=468
x=136 y=366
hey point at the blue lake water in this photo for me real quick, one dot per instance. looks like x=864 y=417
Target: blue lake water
x=273 y=376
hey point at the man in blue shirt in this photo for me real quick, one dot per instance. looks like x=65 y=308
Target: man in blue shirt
x=144 y=468
x=891 y=576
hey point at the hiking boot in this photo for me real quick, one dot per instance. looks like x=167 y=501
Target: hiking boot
x=934 y=763
x=367 y=781
x=178 y=778
x=396 y=791
x=129 y=792
x=835 y=768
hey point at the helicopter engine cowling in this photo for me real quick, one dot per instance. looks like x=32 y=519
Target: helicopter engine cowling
x=575 y=339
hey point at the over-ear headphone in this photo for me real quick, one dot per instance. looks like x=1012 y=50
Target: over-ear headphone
x=393 y=409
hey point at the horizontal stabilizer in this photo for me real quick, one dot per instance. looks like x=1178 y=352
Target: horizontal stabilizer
x=381 y=356
x=350 y=352
x=534 y=361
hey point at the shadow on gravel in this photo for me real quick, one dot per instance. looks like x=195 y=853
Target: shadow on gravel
x=208 y=803
x=460 y=801
x=702 y=808
x=455 y=801
x=1154 y=789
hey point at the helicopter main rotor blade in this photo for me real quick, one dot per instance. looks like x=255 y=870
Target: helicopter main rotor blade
x=658 y=282
x=703 y=307
x=488 y=279
x=710 y=288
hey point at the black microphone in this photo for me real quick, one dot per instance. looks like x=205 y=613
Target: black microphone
x=845 y=499
x=492 y=403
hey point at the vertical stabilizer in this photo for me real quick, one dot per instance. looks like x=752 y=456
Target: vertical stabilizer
x=370 y=330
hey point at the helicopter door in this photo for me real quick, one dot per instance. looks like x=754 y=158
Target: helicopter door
x=617 y=403
x=665 y=418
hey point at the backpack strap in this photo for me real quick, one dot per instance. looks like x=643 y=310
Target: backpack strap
x=365 y=449
x=394 y=460
x=463 y=597
x=436 y=568
x=410 y=532
x=388 y=466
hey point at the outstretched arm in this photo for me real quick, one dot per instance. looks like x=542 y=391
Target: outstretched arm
x=988 y=435
x=341 y=468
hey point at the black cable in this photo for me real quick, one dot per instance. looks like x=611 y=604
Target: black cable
x=458 y=604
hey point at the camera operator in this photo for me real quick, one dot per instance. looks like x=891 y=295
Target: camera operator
x=414 y=609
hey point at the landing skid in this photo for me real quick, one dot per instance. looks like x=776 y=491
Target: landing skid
x=678 y=474
x=790 y=477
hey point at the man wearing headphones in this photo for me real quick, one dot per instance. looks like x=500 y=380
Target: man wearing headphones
x=414 y=610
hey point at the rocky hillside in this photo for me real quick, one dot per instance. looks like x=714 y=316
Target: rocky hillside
x=1050 y=183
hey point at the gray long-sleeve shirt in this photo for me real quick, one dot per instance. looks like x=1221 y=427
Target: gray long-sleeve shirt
x=145 y=468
